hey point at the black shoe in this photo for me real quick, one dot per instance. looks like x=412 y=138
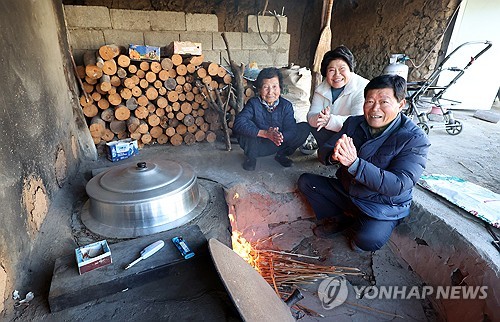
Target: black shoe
x=283 y=160
x=249 y=164
x=329 y=230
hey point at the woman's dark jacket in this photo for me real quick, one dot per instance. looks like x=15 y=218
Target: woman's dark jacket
x=255 y=117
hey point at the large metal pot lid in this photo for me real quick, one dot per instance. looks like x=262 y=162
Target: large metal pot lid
x=141 y=181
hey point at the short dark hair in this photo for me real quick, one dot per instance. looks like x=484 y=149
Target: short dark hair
x=341 y=52
x=396 y=82
x=268 y=73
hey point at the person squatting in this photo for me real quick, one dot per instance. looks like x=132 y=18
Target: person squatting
x=381 y=155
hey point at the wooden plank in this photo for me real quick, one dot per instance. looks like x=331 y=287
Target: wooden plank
x=69 y=289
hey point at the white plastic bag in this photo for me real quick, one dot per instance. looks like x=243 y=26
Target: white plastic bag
x=297 y=89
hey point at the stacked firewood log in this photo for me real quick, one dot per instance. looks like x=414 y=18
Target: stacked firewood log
x=164 y=101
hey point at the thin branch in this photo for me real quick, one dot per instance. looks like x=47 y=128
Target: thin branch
x=290 y=254
x=237 y=79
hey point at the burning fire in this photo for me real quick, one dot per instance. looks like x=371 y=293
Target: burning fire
x=279 y=268
x=243 y=247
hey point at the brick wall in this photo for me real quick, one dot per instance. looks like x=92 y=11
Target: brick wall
x=90 y=27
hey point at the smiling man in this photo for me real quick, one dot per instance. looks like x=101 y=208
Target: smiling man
x=381 y=156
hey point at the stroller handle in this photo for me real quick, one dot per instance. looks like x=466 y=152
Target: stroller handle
x=486 y=42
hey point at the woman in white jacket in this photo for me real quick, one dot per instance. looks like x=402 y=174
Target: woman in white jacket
x=339 y=96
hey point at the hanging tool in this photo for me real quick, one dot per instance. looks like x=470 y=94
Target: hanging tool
x=148 y=251
x=324 y=44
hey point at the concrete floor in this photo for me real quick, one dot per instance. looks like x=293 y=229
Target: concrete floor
x=471 y=155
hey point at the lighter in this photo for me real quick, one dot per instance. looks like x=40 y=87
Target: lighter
x=182 y=246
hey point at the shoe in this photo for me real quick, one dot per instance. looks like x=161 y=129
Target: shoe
x=329 y=230
x=355 y=247
x=310 y=146
x=249 y=164
x=283 y=160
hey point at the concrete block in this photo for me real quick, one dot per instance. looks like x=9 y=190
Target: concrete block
x=201 y=22
x=124 y=37
x=282 y=43
x=262 y=57
x=266 y=41
x=239 y=56
x=167 y=20
x=212 y=56
x=281 y=59
x=86 y=38
x=233 y=38
x=205 y=38
x=130 y=19
x=87 y=16
x=253 y=41
x=160 y=38
x=267 y=24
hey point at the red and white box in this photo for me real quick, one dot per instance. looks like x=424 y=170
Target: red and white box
x=93 y=256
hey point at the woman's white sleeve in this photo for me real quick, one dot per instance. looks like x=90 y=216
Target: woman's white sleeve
x=316 y=107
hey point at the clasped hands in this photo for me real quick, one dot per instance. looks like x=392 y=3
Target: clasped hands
x=274 y=135
x=344 y=151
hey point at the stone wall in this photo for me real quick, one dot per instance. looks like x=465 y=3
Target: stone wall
x=374 y=30
x=44 y=135
x=91 y=27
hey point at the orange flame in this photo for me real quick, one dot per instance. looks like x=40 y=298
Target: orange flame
x=243 y=247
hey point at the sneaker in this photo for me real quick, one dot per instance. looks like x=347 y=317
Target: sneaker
x=283 y=160
x=249 y=164
x=310 y=146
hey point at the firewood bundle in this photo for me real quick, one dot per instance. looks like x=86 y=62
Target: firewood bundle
x=152 y=102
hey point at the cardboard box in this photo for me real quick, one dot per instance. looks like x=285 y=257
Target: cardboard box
x=123 y=149
x=184 y=48
x=93 y=256
x=140 y=52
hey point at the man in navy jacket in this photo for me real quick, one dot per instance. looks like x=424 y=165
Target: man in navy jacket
x=266 y=125
x=381 y=155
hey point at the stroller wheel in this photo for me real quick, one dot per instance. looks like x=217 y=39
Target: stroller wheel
x=455 y=128
x=424 y=127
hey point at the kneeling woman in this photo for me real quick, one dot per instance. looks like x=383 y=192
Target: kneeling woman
x=266 y=125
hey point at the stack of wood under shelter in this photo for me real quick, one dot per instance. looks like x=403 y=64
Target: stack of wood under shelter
x=164 y=101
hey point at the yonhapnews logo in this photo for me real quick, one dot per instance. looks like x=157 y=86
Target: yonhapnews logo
x=420 y=293
x=333 y=291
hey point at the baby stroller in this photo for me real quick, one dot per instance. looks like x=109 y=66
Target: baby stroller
x=434 y=95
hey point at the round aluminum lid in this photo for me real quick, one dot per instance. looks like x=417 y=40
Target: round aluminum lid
x=140 y=182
